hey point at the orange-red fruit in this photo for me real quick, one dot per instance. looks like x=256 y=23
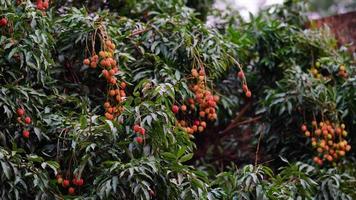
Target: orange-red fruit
x=348 y=148
x=59 y=180
x=71 y=190
x=183 y=108
x=139 y=140
x=109 y=116
x=112 y=72
x=65 y=183
x=303 y=128
x=248 y=94
x=136 y=128
x=316 y=159
x=102 y=54
x=142 y=131
x=175 y=109
x=20 y=112
x=314 y=123
x=3 y=22
x=200 y=128
x=93 y=65
x=194 y=73
x=191 y=101
x=39 y=5
x=27 y=120
x=45 y=4
x=341 y=153
x=105 y=73
x=74 y=181
x=112 y=93
x=80 y=182
x=86 y=61
x=95 y=57
x=245 y=88
x=106 y=104
x=26 y=133
x=203 y=124
x=241 y=74
x=113 y=80
x=307 y=133
x=123 y=85
x=19 y=120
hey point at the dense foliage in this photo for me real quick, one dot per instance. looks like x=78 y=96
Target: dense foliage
x=111 y=101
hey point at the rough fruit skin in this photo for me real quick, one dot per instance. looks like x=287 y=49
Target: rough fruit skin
x=244 y=88
x=183 y=108
x=59 y=180
x=194 y=73
x=65 y=183
x=142 y=131
x=3 y=22
x=109 y=116
x=19 y=120
x=20 y=112
x=26 y=133
x=80 y=182
x=241 y=74
x=303 y=128
x=45 y=4
x=139 y=140
x=86 y=62
x=137 y=128
x=175 y=109
x=71 y=190
x=74 y=181
x=123 y=85
x=27 y=120
x=248 y=94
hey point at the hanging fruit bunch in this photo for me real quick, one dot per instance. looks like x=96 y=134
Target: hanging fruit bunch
x=24 y=121
x=328 y=139
x=342 y=71
x=140 y=131
x=241 y=76
x=317 y=70
x=42 y=4
x=108 y=65
x=68 y=185
x=203 y=105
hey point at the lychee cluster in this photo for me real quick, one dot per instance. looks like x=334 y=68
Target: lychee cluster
x=66 y=183
x=141 y=133
x=342 y=71
x=328 y=139
x=204 y=104
x=24 y=121
x=241 y=76
x=42 y=4
x=116 y=94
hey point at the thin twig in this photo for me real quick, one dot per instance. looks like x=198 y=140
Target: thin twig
x=258 y=147
x=139 y=32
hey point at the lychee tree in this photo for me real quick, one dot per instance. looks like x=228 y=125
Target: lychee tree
x=106 y=100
